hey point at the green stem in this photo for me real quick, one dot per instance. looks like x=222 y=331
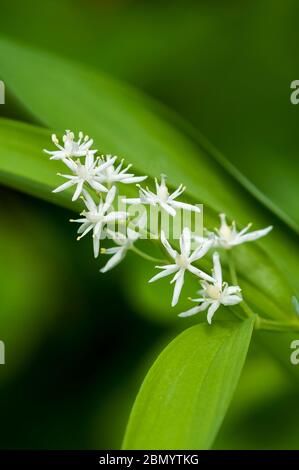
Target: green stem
x=232 y=269
x=233 y=274
x=271 y=325
x=246 y=309
x=147 y=257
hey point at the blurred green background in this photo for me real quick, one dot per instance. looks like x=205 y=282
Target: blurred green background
x=78 y=343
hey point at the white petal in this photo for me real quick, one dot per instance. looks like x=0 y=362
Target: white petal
x=168 y=266
x=115 y=216
x=164 y=273
x=106 y=164
x=168 y=208
x=78 y=190
x=89 y=202
x=187 y=207
x=84 y=225
x=223 y=223
x=133 y=179
x=70 y=164
x=142 y=221
x=84 y=229
x=56 y=155
x=134 y=200
x=201 y=299
x=172 y=253
x=249 y=237
x=98 y=229
x=96 y=246
x=97 y=186
x=177 y=192
x=132 y=234
x=217 y=271
x=64 y=186
x=212 y=309
x=109 y=198
x=177 y=288
x=86 y=145
x=69 y=177
x=200 y=273
x=200 y=240
x=194 y=310
x=233 y=290
x=114 y=260
x=89 y=160
x=201 y=251
x=231 y=300
x=178 y=274
x=191 y=311
x=185 y=242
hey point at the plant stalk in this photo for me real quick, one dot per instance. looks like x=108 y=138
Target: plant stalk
x=146 y=256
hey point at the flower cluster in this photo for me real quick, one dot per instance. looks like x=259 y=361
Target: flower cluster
x=96 y=180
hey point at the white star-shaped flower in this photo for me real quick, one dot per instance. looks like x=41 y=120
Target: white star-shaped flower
x=215 y=294
x=116 y=174
x=162 y=198
x=96 y=217
x=182 y=262
x=228 y=236
x=124 y=242
x=71 y=148
x=89 y=173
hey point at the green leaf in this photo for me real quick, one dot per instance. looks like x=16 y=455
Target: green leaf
x=125 y=122
x=24 y=165
x=186 y=393
x=122 y=121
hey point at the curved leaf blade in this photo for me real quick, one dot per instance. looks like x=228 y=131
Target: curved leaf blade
x=186 y=393
x=24 y=166
x=123 y=120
